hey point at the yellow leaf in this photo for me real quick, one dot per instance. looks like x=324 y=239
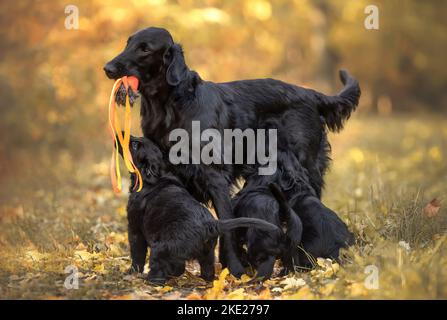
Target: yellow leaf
x=34 y=255
x=99 y=268
x=358 y=289
x=265 y=294
x=218 y=286
x=83 y=255
x=238 y=294
x=292 y=283
x=245 y=278
x=194 y=296
x=81 y=247
x=164 y=289
x=303 y=294
x=327 y=289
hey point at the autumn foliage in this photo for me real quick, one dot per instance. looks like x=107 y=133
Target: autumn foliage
x=387 y=180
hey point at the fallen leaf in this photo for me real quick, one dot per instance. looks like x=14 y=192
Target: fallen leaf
x=245 y=278
x=358 y=289
x=292 y=283
x=218 y=285
x=83 y=255
x=99 y=268
x=265 y=294
x=238 y=294
x=327 y=289
x=194 y=296
x=303 y=294
x=164 y=289
x=432 y=208
x=173 y=296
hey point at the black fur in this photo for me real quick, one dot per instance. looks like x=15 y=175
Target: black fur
x=262 y=198
x=325 y=233
x=172 y=96
x=176 y=227
x=313 y=230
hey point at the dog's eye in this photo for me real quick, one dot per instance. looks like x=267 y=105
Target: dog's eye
x=134 y=145
x=144 y=48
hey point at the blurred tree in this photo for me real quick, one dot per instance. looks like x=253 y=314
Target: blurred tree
x=54 y=93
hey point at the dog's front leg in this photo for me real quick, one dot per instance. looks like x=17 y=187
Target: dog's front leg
x=138 y=249
x=227 y=254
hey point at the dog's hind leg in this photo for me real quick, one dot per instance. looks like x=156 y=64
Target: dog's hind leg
x=138 y=249
x=206 y=261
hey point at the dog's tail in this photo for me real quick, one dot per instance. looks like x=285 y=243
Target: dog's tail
x=230 y=224
x=337 y=109
x=293 y=222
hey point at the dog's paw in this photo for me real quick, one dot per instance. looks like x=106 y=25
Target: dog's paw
x=134 y=270
x=236 y=269
x=207 y=277
x=156 y=281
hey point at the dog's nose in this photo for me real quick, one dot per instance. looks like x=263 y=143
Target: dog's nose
x=110 y=70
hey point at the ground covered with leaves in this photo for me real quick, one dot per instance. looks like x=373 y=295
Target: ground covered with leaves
x=387 y=182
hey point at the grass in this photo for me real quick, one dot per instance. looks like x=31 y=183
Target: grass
x=385 y=172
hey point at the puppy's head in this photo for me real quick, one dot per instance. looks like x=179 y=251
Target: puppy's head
x=147 y=157
x=262 y=246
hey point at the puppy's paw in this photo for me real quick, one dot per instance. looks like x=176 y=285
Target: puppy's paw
x=207 y=277
x=236 y=269
x=156 y=280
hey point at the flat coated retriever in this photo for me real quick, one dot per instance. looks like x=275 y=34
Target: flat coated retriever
x=288 y=199
x=325 y=233
x=263 y=249
x=172 y=96
x=166 y=218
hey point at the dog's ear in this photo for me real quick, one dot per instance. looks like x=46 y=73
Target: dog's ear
x=177 y=69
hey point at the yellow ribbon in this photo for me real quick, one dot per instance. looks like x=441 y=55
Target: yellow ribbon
x=124 y=141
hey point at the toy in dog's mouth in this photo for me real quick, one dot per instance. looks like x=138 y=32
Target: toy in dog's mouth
x=124 y=93
x=131 y=91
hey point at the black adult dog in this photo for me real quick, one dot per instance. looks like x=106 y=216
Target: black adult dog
x=165 y=217
x=173 y=96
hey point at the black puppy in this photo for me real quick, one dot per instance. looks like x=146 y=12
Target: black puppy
x=324 y=232
x=172 y=96
x=175 y=226
x=262 y=248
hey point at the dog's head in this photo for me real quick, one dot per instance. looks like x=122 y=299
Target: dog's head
x=147 y=157
x=152 y=56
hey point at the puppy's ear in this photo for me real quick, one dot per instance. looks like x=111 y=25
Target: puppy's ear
x=177 y=69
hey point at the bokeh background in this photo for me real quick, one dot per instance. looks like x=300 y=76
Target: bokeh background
x=389 y=162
